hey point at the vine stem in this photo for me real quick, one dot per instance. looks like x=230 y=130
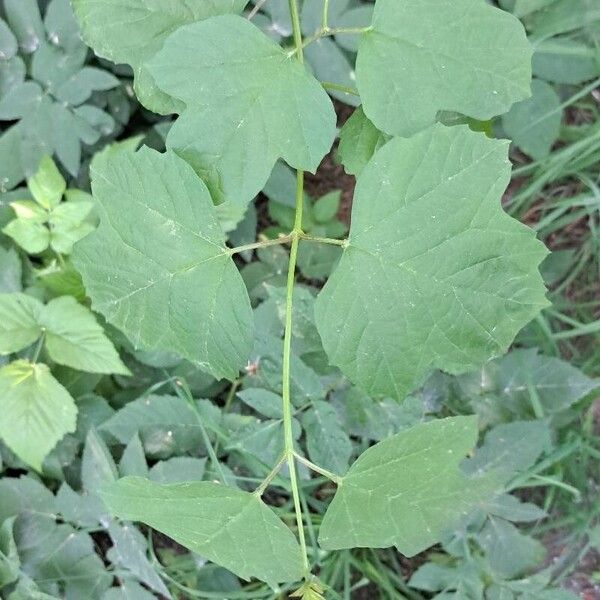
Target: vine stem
x=287 y=350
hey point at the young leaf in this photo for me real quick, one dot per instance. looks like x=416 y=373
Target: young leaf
x=157 y=267
x=132 y=31
x=35 y=411
x=435 y=274
x=534 y=124
x=254 y=104
x=478 y=62
x=47 y=185
x=232 y=528
x=406 y=491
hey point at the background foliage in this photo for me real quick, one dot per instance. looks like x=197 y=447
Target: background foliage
x=157 y=416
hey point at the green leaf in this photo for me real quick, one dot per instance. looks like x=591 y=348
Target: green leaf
x=166 y=424
x=327 y=443
x=375 y=419
x=158 y=245
x=513 y=381
x=97 y=465
x=129 y=553
x=178 y=469
x=133 y=461
x=509 y=552
x=51 y=553
x=359 y=140
x=132 y=31
x=11 y=272
x=19 y=322
x=563 y=60
x=232 y=528
x=67 y=225
x=534 y=124
x=254 y=105
x=435 y=274
x=477 y=63
x=25 y=21
x=9 y=556
x=262 y=401
x=8 y=42
x=326 y=207
x=413 y=479
x=32 y=236
x=47 y=186
x=74 y=338
x=36 y=411
x=509 y=449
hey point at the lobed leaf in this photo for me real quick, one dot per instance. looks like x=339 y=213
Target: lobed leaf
x=407 y=490
x=157 y=267
x=435 y=274
x=232 y=528
x=423 y=56
x=132 y=31
x=248 y=103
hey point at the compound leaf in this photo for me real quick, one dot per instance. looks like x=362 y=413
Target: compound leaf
x=422 y=56
x=157 y=267
x=406 y=490
x=235 y=529
x=248 y=104
x=435 y=274
x=36 y=411
x=132 y=31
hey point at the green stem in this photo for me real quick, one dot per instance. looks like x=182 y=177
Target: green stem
x=322 y=240
x=259 y=491
x=288 y=436
x=283 y=239
x=287 y=351
x=325 y=17
x=321 y=33
x=184 y=392
x=320 y=470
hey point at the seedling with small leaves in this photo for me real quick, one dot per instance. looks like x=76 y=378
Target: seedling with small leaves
x=433 y=274
x=46 y=221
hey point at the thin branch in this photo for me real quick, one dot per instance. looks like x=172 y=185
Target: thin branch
x=320 y=470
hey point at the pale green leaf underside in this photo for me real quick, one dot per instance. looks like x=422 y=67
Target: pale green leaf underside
x=423 y=56
x=35 y=411
x=406 y=491
x=248 y=104
x=435 y=275
x=157 y=267
x=132 y=31
x=234 y=529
